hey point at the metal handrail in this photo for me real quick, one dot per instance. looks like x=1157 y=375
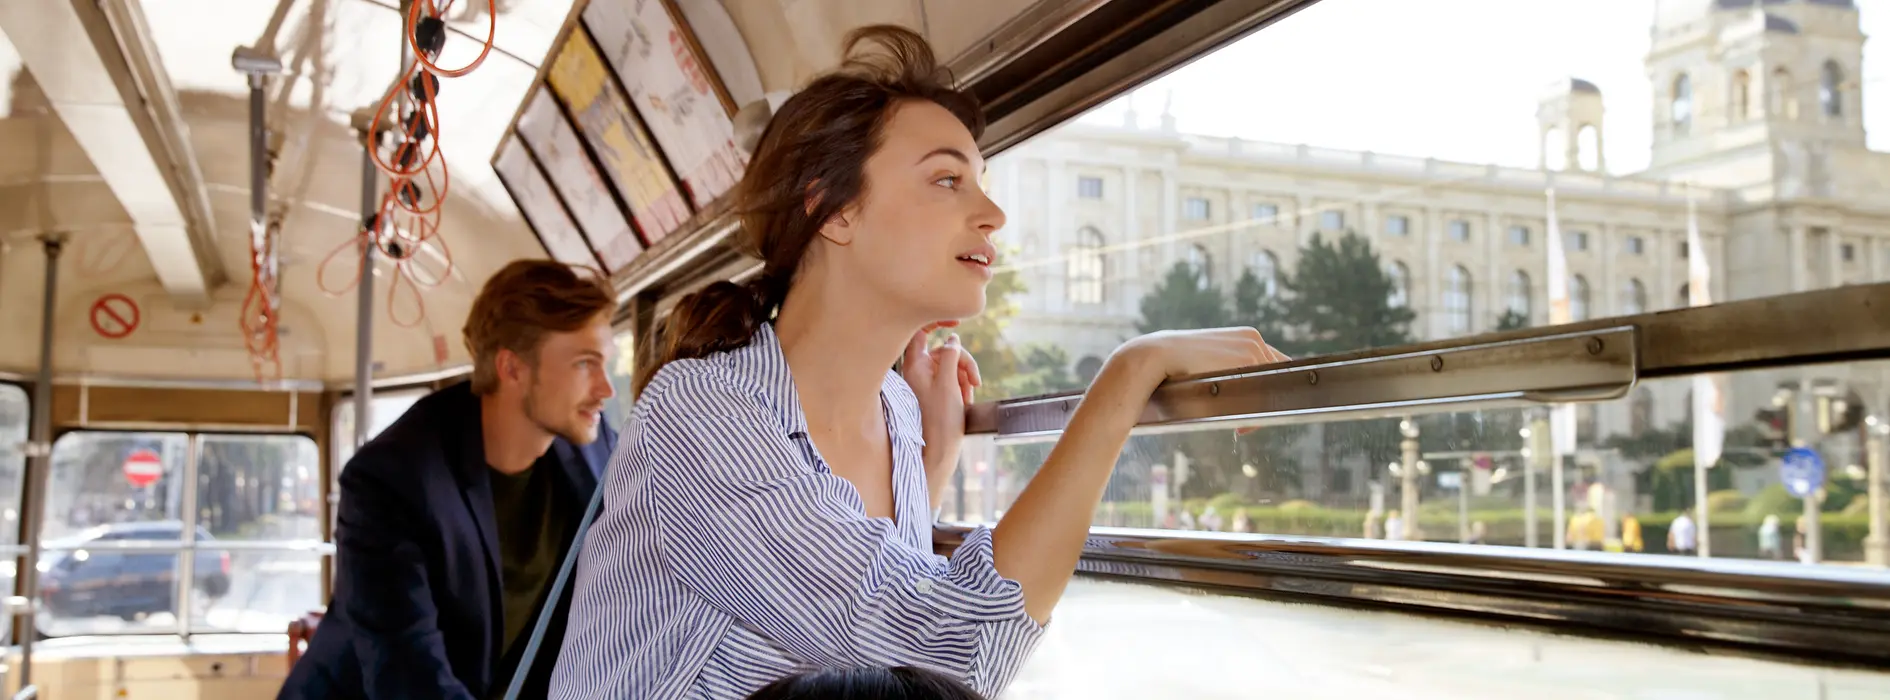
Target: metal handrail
x=1591 y=360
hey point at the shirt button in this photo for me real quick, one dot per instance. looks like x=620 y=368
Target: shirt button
x=923 y=586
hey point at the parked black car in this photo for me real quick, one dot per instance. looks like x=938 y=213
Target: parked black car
x=86 y=582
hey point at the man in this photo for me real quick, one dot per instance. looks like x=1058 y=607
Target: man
x=454 y=521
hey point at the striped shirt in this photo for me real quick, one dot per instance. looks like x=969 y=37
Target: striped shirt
x=727 y=555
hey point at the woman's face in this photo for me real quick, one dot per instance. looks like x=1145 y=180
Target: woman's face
x=920 y=238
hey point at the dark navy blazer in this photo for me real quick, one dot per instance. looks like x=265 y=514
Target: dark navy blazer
x=417 y=611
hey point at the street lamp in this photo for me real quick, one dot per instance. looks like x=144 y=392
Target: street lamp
x=1408 y=478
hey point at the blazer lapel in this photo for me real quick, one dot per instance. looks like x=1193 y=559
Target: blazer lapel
x=475 y=489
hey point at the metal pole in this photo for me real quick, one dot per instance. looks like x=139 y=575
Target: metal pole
x=1877 y=543
x=1529 y=481
x=364 y=297
x=1556 y=499
x=1463 y=502
x=1702 y=515
x=33 y=507
x=1408 y=482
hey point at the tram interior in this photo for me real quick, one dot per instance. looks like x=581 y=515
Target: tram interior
x=1519 y=317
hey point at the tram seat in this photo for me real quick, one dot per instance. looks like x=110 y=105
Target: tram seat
x=300 y=632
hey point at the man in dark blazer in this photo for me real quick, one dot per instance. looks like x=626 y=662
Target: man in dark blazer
x=453 y=522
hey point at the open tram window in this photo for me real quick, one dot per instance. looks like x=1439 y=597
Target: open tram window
x=1528 y=143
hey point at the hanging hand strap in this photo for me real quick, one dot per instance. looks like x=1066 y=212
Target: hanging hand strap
x=524 y=667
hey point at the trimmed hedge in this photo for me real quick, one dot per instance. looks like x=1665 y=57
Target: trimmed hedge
x=1735 y=534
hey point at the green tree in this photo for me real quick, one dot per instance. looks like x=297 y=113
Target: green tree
x=1512 y=320
x=1183 y=300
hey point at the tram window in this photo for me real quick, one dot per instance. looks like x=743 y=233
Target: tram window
x=259 y=487
x=387 y=408
x=15 y=417
x=1625 y=487
x=114 y=533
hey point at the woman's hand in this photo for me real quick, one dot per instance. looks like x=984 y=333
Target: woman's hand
x=1151 y=359
x=943 y=379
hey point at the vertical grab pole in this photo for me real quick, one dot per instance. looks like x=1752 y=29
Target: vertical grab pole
x=364 y=295
x=40 y=448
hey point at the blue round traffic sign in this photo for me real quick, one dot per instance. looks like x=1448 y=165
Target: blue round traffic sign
x=1802 y=470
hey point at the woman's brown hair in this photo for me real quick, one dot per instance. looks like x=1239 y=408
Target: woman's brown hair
x=809 y=166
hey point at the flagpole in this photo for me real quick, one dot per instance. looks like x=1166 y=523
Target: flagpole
x=1708 y=429
x=1561 y=423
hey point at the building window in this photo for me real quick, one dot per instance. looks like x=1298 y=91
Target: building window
x=1633 y=297
x=1577 y=240
x=1457 y=300
x=1266 y=213
x=1331 y=220
x=1578 y=297
x=1195 y=208
x=1203 y=264
x=1519 y=293
x=1680 y=109
x=1779 y=95
x=1686 y=295
x=1400 y=278
x=1741 y=96
x=1089 y=187
x=1683 y=250
x=1830 y=89
x=1086 y=268
x=1398 y=225
x=1519 y=235
x=1641 y=415
x=1459 y=230
x=1266 y=269
x=1848 y=252
x=1636 y=245
x=1588 y=148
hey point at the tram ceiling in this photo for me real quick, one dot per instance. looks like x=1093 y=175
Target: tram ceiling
x=100 y=75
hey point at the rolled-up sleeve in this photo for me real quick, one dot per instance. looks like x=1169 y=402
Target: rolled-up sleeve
x=784 y=548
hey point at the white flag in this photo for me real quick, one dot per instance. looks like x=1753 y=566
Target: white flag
x=1709 y=391
x=1562 y=416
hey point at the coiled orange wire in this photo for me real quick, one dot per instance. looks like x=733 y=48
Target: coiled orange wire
x=400 y=228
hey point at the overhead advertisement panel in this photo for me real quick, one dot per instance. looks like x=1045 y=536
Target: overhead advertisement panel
x=614 y=133
x=543 y=212
x=549 y=135
x=655 y=55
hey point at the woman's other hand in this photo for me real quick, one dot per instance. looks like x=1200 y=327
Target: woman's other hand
x=943 y=378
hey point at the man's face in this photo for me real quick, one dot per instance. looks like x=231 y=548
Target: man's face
x=568 y=382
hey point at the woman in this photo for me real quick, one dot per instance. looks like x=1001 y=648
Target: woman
x=769 y=507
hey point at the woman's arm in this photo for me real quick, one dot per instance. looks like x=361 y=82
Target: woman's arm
x=1040 y=539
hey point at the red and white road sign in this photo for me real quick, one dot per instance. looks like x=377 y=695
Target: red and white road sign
x=143 y=467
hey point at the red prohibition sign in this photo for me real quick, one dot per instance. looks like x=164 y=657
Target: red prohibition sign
x=114 y=316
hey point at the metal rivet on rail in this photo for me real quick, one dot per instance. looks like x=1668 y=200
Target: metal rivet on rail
x=1312 y=377
x=1594 y=346
x=1437 y=363
x=1214 y=389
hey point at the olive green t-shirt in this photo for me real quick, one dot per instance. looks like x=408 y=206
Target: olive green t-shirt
x=532 y=533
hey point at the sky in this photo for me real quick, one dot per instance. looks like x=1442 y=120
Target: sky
x=1450 y=79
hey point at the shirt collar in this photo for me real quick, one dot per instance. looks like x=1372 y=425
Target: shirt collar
x=763 y=362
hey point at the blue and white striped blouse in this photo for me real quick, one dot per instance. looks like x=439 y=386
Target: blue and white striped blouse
x=727 y=555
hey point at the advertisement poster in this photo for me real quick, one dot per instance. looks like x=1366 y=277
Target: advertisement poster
x=549 y=135
x=540 y=206
x=671 y=89
x=607 y=123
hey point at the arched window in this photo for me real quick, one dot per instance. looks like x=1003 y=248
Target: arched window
x=1578 y=297
x=1830 y=89
x=1641 y=411
x=1554 y=149
x=1087 y=368
x=1400 y=278
x=1203 y=264
x=1633 y=297
x=1086 y=267
x=1457 y=300
x=1778 y=92
x=1266 y=268
x=1686 y=296
x=1741 y=96
x=1518 y=293
x=1588 y=148
x=1680 y=108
